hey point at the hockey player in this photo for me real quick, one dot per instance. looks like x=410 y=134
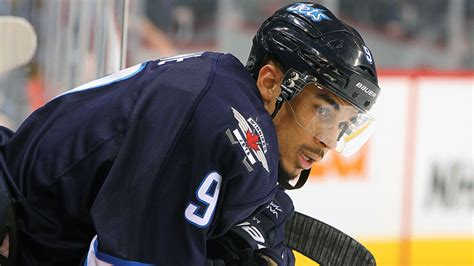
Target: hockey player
x=328 y=86
x=176 y=160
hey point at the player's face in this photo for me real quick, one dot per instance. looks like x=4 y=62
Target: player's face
x=308 y=126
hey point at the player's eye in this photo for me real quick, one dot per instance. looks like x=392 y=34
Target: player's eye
x=322 y=111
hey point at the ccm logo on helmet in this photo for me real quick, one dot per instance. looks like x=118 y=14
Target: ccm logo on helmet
x=366 y=90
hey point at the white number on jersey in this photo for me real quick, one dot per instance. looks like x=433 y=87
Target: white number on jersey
x=207 y=194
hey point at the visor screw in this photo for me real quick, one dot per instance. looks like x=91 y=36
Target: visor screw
x=367 y=104
x=355 y=95
x=311 y=79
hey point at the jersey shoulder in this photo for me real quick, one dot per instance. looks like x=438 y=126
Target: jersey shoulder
x=232 y=118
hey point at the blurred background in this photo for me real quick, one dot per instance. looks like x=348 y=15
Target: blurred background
x=408 y=195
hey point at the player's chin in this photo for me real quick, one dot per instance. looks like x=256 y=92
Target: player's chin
x=285 y=172
x=296 y=174
x=291 y=173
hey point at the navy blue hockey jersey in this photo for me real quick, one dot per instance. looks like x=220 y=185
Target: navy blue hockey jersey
x=154 y=160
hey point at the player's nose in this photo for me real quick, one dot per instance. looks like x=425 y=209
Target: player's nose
x=327 y=139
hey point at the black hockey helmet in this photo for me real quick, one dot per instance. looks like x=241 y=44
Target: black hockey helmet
x=313 y=45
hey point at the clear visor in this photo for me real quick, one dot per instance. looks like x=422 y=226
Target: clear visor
x=332 y=120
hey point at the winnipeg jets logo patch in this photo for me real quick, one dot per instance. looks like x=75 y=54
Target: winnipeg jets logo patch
x=307 y=10
x=250 y=137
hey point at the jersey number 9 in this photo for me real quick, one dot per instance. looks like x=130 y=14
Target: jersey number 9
x=207 y=193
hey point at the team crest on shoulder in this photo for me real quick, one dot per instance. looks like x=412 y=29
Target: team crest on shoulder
x=249 y=136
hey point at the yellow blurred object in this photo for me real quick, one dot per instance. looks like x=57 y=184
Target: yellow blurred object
x=450 y=251
x=302 y=260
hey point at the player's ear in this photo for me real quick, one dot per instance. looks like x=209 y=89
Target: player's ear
x=268 y=83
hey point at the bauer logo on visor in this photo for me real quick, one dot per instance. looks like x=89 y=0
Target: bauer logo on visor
x=315 y=14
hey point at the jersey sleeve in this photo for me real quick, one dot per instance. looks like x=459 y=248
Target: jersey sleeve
x=238 y=139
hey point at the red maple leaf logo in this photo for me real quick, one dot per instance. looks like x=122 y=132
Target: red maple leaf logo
x=252 y=140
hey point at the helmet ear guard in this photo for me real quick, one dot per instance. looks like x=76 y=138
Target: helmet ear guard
x=313 y=45
x=292 y=84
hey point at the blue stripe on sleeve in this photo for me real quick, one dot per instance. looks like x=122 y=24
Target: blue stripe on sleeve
x=116 y=261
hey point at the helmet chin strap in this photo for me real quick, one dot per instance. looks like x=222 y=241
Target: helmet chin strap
x=278 y=105
x=285 y=183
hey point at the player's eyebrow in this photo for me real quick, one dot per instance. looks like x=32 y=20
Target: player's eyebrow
x=329 y=100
